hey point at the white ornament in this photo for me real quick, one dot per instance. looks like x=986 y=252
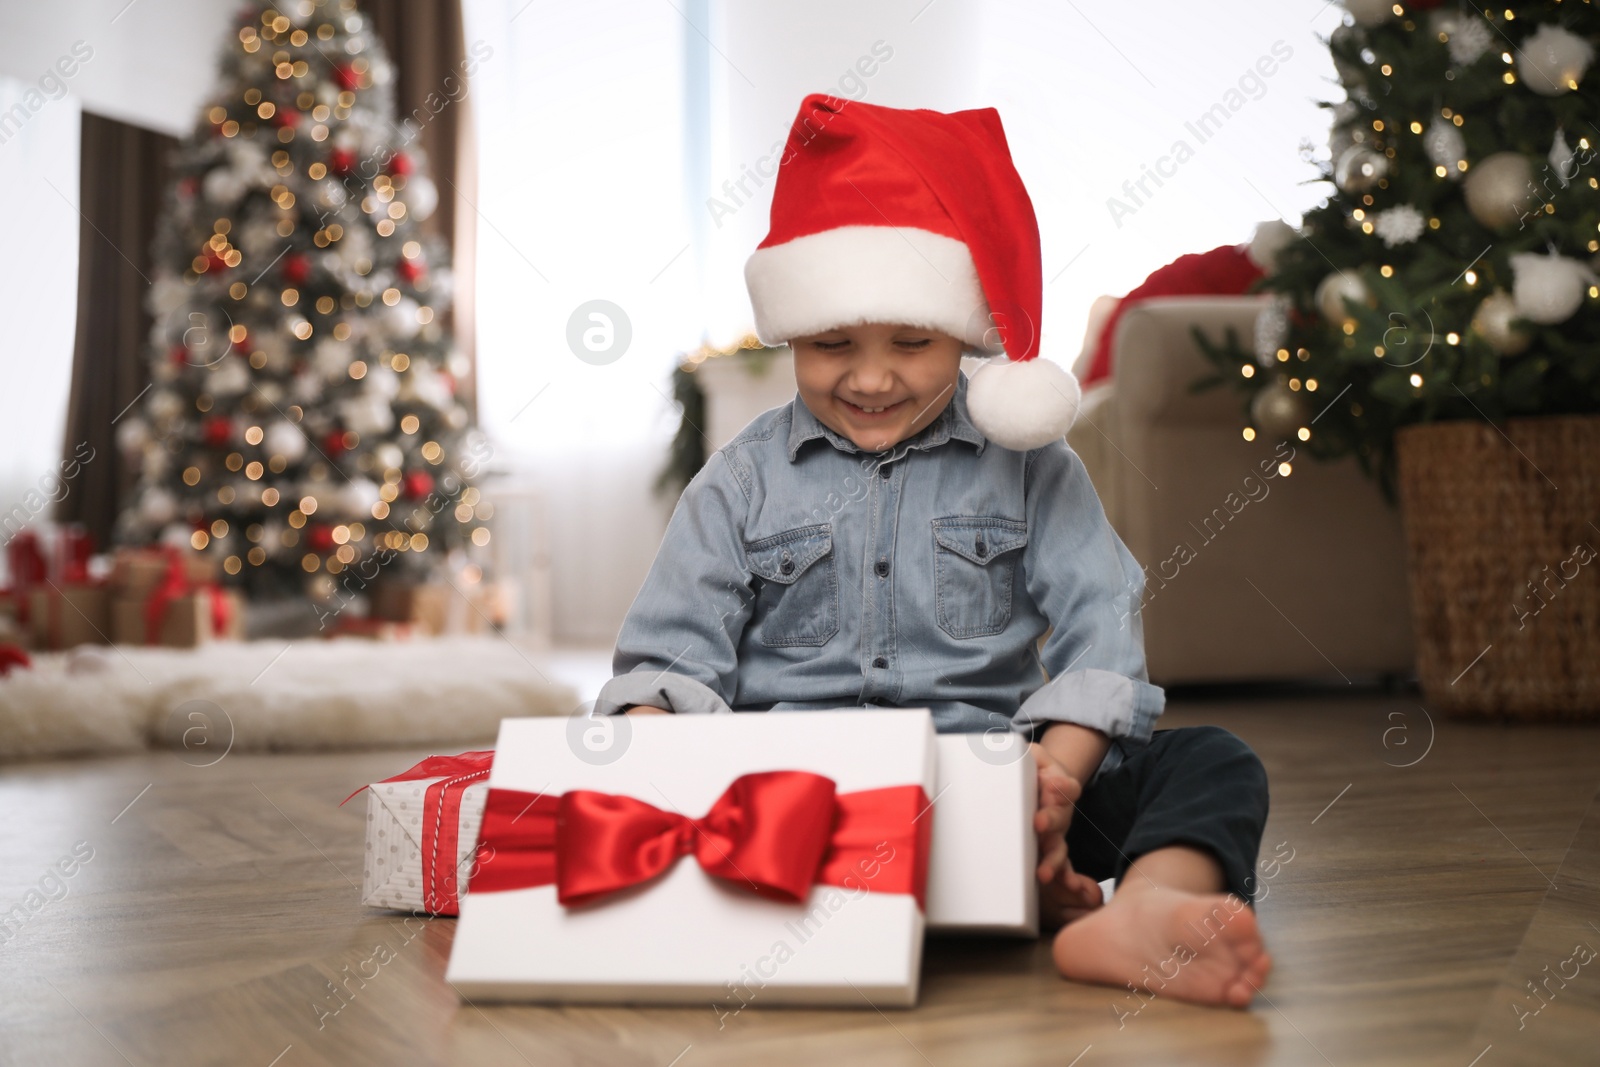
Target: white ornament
x=1552 y=60
x=358 y=496
x=1270 y=238
x=224 y=185
x=1492 y=321
x=382 y=382
x=1496 y=189
x=367 y=415
x=401 y=319
x=1369 y=12
x=1561 y=158
x=1399 y=225
x=228 y=377
x=422 y=197
x=165 y=405
x=1332 y=291
x=1549 y=288
x=333 y=359
x=133 y=435
x=1024 y=405
x=1359 y=169
x=284 y=439
x=1470 y=37
x=157 y=506
x=1272 y=329
x=167 y=294
x=1446 y=147
x=331 y=194
x=389 y=455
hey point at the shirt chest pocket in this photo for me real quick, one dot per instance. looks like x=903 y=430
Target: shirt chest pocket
x=796 y=587
x=975 y=564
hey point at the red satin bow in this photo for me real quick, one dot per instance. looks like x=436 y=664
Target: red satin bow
x=777 y=833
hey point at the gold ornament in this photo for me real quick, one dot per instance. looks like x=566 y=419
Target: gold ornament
x=1493 y=322
x=1496 y=190
x=1278 y=411
x=1332 y=291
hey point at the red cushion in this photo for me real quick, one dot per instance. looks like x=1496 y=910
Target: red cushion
x=1223 y=271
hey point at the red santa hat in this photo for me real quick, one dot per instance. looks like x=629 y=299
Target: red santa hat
x=882 y=214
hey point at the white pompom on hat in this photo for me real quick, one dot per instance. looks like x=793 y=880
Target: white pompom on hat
x=885 y=214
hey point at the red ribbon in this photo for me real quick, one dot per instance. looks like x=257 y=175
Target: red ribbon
x=777 y=833
x=26 y=563
x=441 y=821
x=174 y=584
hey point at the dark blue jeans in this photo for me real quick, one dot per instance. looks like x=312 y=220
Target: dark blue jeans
x=1193 y=785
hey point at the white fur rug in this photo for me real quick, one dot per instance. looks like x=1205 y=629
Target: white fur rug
x=265 y=695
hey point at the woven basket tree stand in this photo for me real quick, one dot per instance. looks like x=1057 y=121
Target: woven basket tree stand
x=1503 y=544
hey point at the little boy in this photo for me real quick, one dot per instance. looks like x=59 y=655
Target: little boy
x=899 y=536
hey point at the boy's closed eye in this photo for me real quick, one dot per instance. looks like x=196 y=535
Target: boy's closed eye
x=906 y=344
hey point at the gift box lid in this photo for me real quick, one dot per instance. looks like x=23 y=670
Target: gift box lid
x=687 y=935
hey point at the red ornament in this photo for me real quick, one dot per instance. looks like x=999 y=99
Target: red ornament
x=400 y=164
x=217 y=431
x=333 y=443
x=189 y=186
x=319 y=537
x=409 y=269
x=418 y=484
x=348 y=77
x=179 y=355
x=296 y=269
x=215 y=262
x=341 y=160
x=286 y=116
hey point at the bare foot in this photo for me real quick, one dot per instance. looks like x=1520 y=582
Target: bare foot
x=1203 y=948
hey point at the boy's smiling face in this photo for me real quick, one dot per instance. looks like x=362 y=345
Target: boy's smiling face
x=879 y=383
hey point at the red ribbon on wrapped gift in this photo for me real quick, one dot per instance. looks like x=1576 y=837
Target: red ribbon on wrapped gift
x=26 y=563
x=441 y=821
x=175 y=584
x=73 y=549
x=776 y=833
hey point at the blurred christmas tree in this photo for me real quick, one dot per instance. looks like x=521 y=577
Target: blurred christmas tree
x=302 y=418
x=1450 y=276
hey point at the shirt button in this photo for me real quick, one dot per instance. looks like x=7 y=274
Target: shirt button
x=884 y=470
x=880 y=663
x=981 y=548
x=786 y=567
x=882 y=568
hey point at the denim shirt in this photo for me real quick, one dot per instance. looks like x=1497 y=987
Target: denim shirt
x=799 y=572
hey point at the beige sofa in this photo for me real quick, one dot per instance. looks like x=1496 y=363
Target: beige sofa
x=1247 y=577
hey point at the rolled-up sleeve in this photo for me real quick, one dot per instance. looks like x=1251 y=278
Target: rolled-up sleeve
x=678 y=645
x=1089 y=587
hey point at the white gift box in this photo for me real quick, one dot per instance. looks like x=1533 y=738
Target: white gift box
x=687 y=936
x=982 y=876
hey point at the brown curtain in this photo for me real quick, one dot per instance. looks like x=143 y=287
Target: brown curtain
x=123 y=180
x=427 y=43
x=123 y=177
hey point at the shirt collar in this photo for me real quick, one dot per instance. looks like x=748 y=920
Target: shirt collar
x=953 y=422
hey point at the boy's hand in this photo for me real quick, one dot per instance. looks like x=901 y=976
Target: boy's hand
x=646 y=709
x=1065 y=894
x=1058 y=790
